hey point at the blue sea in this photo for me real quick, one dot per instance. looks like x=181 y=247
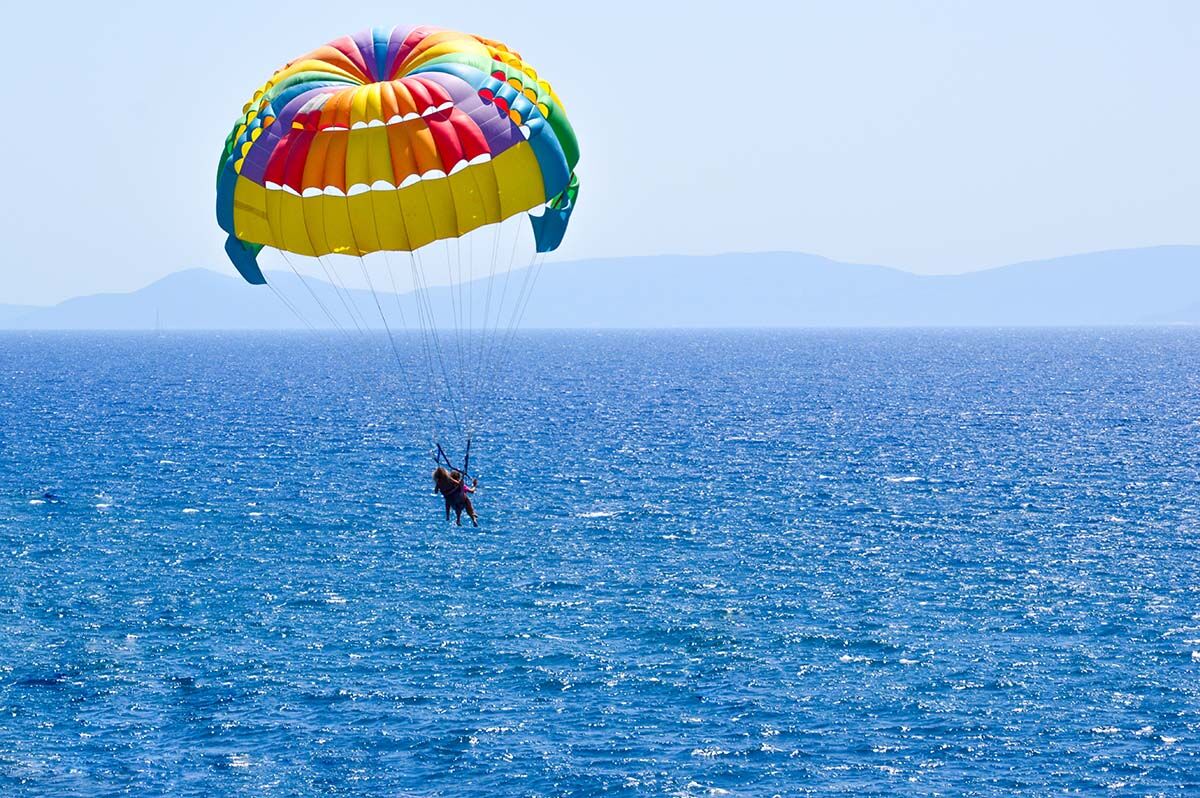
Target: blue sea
x=868 y=563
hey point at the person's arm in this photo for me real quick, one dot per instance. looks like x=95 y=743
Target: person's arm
x=471 y=488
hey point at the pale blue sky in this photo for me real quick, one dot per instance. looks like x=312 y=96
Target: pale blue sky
x=933 y=136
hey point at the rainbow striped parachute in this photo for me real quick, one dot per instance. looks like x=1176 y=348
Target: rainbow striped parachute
x=392 y=141
x=389 y=140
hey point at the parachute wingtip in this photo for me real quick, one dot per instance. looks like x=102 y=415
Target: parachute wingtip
x=551 y=226
x=245 y=260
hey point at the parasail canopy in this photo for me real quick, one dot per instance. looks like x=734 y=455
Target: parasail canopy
x=389 y=140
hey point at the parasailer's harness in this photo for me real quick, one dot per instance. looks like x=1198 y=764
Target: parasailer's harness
x=440 y=457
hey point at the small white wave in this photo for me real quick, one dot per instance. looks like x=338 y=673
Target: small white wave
x=36 y=501
x=103 y=506
x=190 y=510
x=334 y=598
x=239 y=760
x=693 y=788
x=596 y=514
x=1105 y=730
x=709 y=753
x=903 y=478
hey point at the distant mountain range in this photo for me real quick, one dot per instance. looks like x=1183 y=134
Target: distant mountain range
x=1158 y=285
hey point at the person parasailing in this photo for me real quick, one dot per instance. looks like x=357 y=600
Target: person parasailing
x=454 y=489
x=412 y=140
x=452 y=484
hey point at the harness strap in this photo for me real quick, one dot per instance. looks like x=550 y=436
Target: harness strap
x=442 y=457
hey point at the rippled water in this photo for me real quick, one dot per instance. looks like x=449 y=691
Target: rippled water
x=862 y=563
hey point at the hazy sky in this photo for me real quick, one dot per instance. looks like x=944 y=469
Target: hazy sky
x=934 y=136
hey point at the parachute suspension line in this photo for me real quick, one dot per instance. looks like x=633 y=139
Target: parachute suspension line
x=451 y=289
x=490 y=346
x=423 y=293
x=469 y=364
x=427 y=354
x=428 y=327
x=423 y=296
x=464 y=341
x=537 y=272
x=333 y=283
x=391 y=271
x=489 y=338
x=387 y=264
x=537 y=262
x=291 y=307
x=504 y=350
x=468 y=331
x=387 y=328
x=420 y=321
x=480 y=384
x=432 y=384
x=495 y=348
x=426 y=357
x=487 y=305
x=408 y=384
x=471 y=297
x=363 y=324
x=312 y=293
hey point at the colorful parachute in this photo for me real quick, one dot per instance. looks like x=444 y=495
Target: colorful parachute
x=391 y=140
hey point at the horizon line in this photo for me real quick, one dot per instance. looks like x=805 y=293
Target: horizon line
x=232 y=274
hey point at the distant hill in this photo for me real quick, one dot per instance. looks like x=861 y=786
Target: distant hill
x=187 y=300
x=1159 y=285
x=10 y=314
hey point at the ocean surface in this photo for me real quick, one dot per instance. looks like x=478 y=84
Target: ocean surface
x=885 y=563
